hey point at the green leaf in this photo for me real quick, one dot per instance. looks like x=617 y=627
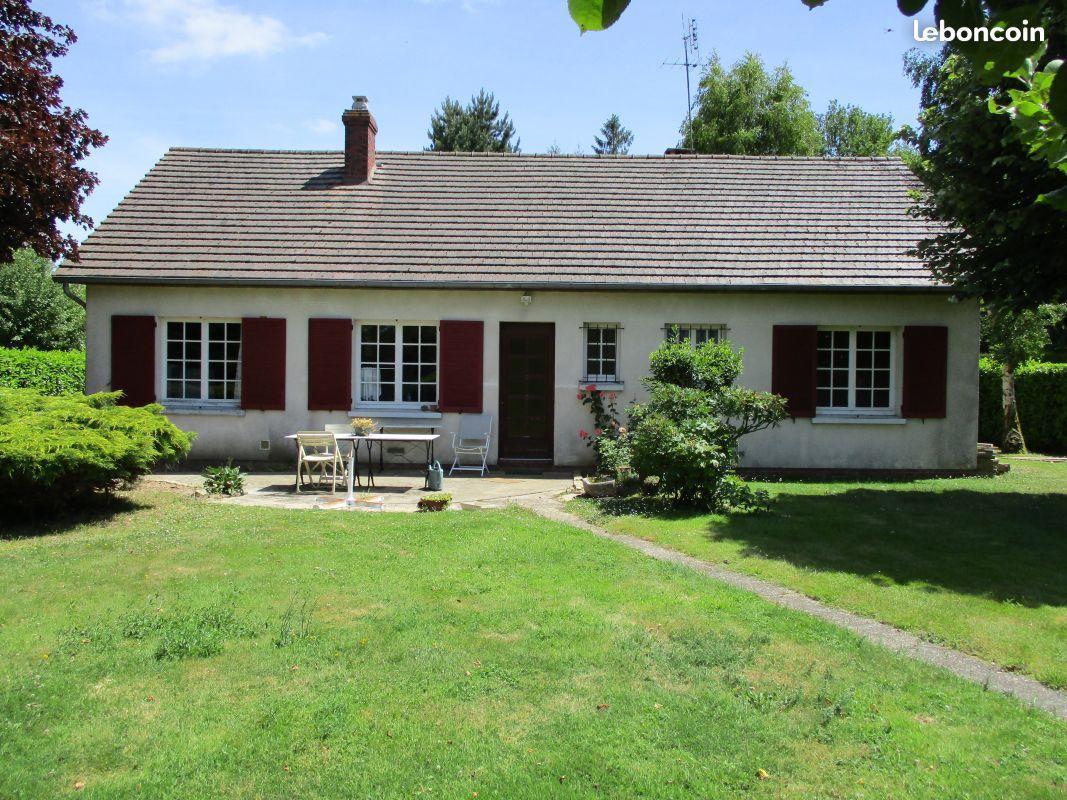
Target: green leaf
x=960 y=13
x=596 y=15
x=1056 y=199
x=911 y=7
x=1057 y=96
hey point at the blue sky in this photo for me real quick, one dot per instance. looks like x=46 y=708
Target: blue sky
x=274 y=74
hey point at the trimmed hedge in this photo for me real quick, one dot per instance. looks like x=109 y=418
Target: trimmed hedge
x=51 y=372
x=61 y=451
x=1041 y=391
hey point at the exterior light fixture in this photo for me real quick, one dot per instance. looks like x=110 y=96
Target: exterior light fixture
x=526 y=299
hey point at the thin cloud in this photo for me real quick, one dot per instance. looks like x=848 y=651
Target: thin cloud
x=205 y=30
x=321 y=125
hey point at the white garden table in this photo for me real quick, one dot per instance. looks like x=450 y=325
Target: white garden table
x=427 y=439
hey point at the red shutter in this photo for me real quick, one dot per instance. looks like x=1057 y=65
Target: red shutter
x=329 y=364
x=133 y=359
x=460 y=384
x=793 y=362
x=925 y=371
x=263 y=364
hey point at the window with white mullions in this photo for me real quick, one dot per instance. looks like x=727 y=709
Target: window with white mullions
x=203 y=360
x=601 y=353
x=854 y=370
x=398 y=363
x=419 y=364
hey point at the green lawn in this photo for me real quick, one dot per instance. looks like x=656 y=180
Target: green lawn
x=180 y=648
x=978 y=564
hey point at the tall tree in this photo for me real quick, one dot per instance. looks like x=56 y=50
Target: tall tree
x=614 y=139
x=995 y=242
x=748 y=110
x=1013 y=339
x=477 y=127
x=851 y=131
x=42 y=141
x=34 y=312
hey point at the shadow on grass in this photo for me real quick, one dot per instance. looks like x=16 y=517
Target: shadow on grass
x=43 y=522
x=1010 y=547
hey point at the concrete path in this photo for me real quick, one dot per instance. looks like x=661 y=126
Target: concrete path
x=965 y=666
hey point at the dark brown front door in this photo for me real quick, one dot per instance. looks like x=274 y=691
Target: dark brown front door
x=527 y=381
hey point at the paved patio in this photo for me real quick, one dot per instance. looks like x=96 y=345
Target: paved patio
x=399 y=491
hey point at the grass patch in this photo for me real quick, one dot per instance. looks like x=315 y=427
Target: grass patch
x=447 y=654
x=973 y=563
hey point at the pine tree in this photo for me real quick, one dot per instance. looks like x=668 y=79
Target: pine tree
x=477 y=128
x=614 y=139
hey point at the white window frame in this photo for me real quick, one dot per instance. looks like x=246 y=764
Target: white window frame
x=203 y=400
x=893 y=409
x=692 y=327
x=398 y=366
x=601 y=377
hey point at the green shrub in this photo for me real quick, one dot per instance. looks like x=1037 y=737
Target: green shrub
x=52 y=372
x=684 y=440
x=60 y=451
x=227 y=480
x=1041 y=391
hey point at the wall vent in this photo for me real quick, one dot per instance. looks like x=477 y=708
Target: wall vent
x=264 y=444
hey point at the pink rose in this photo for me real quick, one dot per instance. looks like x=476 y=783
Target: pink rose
x=612 y=395
x=596 y=431
x=583 y=434
x=591 y=388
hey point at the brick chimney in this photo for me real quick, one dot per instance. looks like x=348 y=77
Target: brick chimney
x=360 y=128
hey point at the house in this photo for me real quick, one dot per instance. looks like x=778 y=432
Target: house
x=257 y=293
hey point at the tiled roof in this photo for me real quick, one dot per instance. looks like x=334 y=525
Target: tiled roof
x=442 y=219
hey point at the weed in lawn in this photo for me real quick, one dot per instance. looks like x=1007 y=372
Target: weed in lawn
x=296 y=622
x=181 y=632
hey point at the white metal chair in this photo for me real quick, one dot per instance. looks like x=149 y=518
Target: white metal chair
x=317 y=451
x=475 y=431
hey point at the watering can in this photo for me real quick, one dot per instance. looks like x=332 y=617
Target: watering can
x=435 y=476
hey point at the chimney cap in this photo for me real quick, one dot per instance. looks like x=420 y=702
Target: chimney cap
x=359 y=102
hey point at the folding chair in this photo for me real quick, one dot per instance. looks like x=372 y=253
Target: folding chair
x=317 y=451
x=333 y=427
x=475 y=431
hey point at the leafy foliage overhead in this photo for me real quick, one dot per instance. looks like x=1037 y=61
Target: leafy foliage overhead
x=42 y=141
x=34 y=312
x=596 y=15
x=479 y=127
x=995 y=243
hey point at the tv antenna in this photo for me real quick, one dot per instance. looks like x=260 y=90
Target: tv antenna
x=691 y=61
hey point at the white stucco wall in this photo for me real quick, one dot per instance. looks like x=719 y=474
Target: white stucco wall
x=932 y=444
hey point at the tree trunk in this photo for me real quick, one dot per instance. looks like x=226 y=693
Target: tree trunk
x=1013 y=430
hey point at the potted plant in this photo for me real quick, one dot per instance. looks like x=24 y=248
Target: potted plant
x=598 y=486
x=435 y=501
x=363 y=426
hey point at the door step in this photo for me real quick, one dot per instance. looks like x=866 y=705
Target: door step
x=525 y=466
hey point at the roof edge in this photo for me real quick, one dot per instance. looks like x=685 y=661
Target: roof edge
x=318 y=283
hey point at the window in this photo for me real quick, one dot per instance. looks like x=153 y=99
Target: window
x=203 y=360
x=694 y=333
x=392 y=371
x=854 y=371
x=601 y=353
